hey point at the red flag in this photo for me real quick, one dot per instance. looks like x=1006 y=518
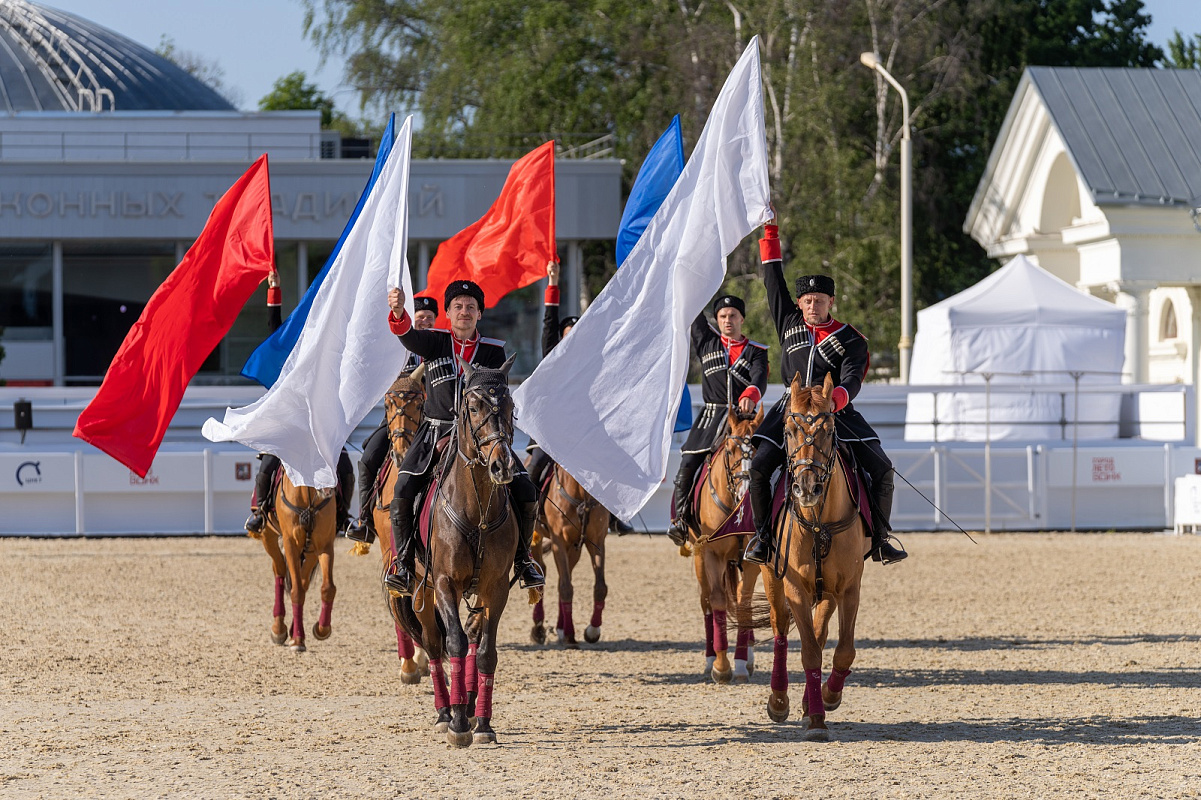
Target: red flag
x=509 y=247
x=184 y=320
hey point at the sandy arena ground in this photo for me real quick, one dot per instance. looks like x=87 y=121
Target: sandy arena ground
x=1025 y=666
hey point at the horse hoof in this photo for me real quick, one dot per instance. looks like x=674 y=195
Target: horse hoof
x=570 y=644
x=591 y=635
x=297 y=647
x=321 y=634
x=722 y=677
x=410 y=678
x=278 y=638
x=487 y=737
x=817 y=732
x=441 y=726
x=741 y=673
x=457 y=739
x=538 y=634
x=777 y=707
x=831 y=705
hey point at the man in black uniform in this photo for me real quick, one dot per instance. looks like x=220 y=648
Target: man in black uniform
x=734 y=374
x=815 y=345
x=262 y=499
x=375 y=448
x=464 y=302
x=553 y=331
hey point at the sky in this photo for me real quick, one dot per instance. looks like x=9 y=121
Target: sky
x=257 y=41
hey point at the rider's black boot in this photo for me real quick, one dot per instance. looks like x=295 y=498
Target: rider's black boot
x=262 y=496
x=526 y=569
x=400 y=581
x=882 y=549
x=363 y=528
x=619 y=527
x=678 y=530
x=759 y=548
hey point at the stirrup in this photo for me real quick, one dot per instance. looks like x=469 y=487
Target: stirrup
x=255 y=522
x=677 y=531
x=528 y=575
x=758 y=549
x=885 y=553
x=398 y=586
x=359 y=531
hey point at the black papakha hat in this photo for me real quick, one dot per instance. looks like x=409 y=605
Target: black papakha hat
x=425 y=304
x=729 y=301
x=807 y=284
x=459 y=288
x=566 y=323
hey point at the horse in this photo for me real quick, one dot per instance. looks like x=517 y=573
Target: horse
x=717 y=555
x=403 y=404
x=473 y=537
x=571 y=520
x=300 y=535
x=819 y=562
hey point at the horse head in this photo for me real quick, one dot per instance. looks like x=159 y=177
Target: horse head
x=486 y=420
x=738 y=442
x=810 y=442
x=402 y=408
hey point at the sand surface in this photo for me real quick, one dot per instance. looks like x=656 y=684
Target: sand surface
x=1024 y=666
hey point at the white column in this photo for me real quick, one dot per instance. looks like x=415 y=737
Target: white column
x=421 y=279
x=575 y=266
x=1194 y=358
x=1132 y=296
x=57 y=319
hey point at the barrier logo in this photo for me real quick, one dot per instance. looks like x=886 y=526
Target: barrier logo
x=242 y=471
x=29 y=472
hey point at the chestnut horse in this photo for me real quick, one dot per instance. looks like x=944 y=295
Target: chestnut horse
x=571 y=520
x=718 y=561
x=300 y=535
x=473 y=538
x=821 y=544
x=403 y=404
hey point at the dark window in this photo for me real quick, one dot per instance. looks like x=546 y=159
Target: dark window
x=26 y=288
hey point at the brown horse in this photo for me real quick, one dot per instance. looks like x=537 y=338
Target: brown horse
x=403 y=404
x=473 y=538
x=571 y=520
x=718 y=561
x=819 y=562
x=300 y=535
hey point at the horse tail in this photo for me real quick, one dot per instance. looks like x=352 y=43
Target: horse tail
x=761 y=613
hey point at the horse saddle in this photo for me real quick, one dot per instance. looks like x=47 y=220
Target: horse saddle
x=857 y=482
x=739 y=520
x=425 y=513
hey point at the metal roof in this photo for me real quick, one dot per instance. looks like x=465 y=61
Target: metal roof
x=54 y=61
x=1134 y=135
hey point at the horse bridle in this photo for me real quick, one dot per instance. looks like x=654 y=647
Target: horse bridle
x=823 y=469
x=504 y=432
x=403 y=399
x=734 y=478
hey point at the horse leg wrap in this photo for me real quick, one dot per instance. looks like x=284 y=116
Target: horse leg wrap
x=813 y=692
x=779 y=667
x=297 y=622
x=278 y=610
x=597 y=609
x=565 y=620
x=837 y=678
x=744 y=642
x=471 y=671
x=709 y=635
x=483 y=701
x=721 y=642
x=327 y=611
x=458 y=681
x=438 y=678
x=404 y=644
x=539 y=611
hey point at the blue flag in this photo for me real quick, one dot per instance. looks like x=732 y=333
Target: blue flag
x=656 y=176
x=268 y=359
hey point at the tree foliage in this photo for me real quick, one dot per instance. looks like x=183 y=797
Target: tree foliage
x=475 y=70
x=294 y=92
x=1184 y=53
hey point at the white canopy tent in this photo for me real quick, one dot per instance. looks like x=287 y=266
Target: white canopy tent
x=1024 y=327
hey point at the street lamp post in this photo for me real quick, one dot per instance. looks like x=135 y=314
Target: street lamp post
x=872 y=61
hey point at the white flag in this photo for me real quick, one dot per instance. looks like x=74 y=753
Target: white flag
x=603 y=403
x=346 y=356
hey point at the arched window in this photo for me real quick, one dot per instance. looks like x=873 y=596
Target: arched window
x=1167 y=322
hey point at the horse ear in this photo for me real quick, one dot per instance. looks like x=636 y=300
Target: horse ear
x=419 y=373
x=505 y=367
x=828 y=385
x=759 y=416
x=468 y=370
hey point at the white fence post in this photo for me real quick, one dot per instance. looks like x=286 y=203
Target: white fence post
x=80 y=526
x=208 y=491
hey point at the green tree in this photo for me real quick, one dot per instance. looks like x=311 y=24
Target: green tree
x=293 y=92
x=1184 y=53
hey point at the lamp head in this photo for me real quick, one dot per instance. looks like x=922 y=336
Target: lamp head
x=871 y=60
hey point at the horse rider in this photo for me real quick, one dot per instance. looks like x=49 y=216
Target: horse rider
x=261 y=502
x=442 y=350
x=553 y=331
x=815 y=345
x=376 y=446
x=734 y=374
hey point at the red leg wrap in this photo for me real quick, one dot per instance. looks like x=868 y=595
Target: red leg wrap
x=298 y=622
x=438 y=678
x=458 y=682
x=404 y=643
x=566 y=623
x=721 y=642
x=278 y=610
x=597 y=609
x=813 y=691
x=327 y=611
x=471 y=673
x=779 y=667
x=837 y=678
x=483 y=701
x=745 y=637
x=539 y=612
x=709 y=635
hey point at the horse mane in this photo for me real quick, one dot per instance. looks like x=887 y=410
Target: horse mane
x=809 y=399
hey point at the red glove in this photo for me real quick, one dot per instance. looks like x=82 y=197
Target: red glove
x=769 y=245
